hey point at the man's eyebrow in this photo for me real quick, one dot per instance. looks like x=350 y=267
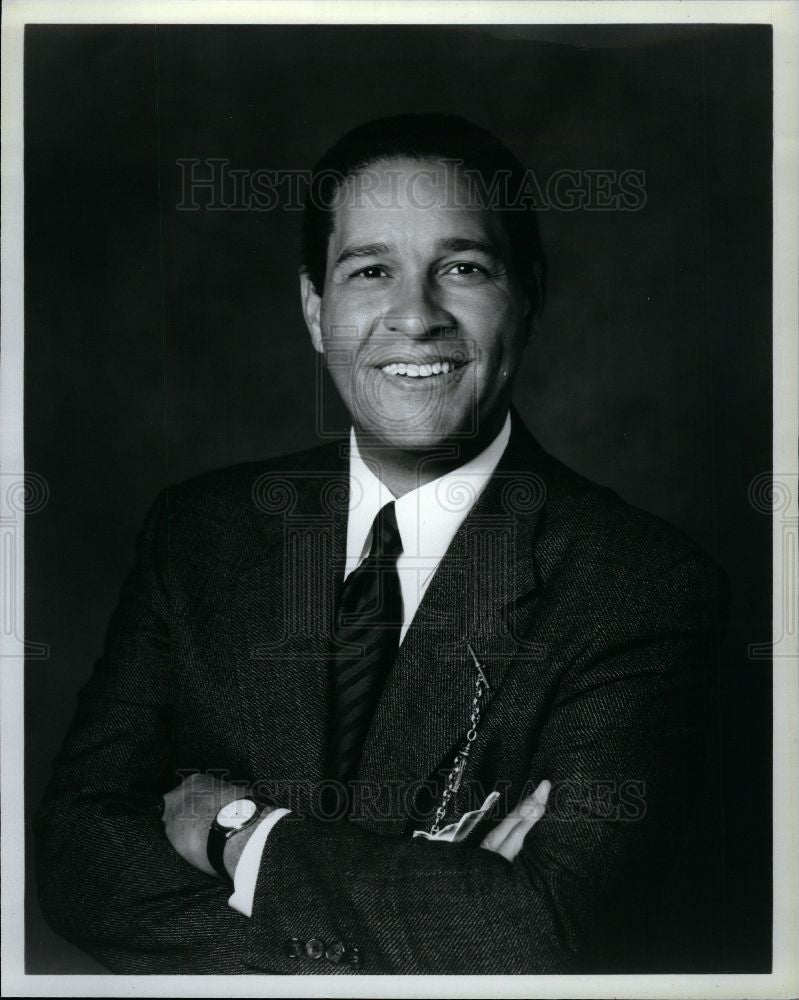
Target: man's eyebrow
x=458 y=244
x=362 y=250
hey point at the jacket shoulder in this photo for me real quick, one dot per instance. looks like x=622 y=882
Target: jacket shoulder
x=236 y=489
x=591 y=524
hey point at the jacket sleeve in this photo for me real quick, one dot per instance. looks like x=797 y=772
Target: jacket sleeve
x=618 y=746
x=109 y=881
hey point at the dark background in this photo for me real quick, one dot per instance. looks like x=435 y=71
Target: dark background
x=161 y=343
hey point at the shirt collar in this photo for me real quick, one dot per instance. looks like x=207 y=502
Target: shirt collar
x=427 y=517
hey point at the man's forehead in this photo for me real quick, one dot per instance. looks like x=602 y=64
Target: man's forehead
x=397 y=229
x=419 y=198
x=385 y=230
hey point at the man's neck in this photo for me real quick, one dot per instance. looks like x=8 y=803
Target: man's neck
x=403 y=470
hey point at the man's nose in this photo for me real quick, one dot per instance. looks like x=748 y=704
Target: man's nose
x=417 y=312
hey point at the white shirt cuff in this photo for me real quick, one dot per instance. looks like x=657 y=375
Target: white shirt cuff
x=246 y=874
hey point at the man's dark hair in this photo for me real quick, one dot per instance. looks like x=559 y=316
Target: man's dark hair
x=496 y=177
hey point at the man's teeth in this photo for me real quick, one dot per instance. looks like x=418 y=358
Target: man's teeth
x=419 y=371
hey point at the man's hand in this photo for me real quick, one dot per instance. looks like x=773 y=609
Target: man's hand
x=507 y=838
x=189 y=810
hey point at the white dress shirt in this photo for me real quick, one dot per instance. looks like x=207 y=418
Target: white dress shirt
x=428 y=518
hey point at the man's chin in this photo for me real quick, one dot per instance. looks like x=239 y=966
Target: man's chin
x=412 y=440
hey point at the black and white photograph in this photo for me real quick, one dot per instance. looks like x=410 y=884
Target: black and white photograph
x=399 y=500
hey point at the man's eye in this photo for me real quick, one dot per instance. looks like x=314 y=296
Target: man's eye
x=373 y=271
x=467 y=269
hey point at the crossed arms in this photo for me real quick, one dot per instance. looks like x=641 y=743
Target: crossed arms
x=111 y=881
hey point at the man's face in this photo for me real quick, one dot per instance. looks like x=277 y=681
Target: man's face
x=422 y=321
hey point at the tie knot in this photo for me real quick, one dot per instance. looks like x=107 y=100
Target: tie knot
x=386 y=539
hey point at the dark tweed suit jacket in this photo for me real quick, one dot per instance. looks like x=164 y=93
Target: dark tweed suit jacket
x=596 y=624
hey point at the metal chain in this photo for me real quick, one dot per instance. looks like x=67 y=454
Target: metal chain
x=455 y=775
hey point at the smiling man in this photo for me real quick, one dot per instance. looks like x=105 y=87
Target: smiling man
x=428 y=284
x=422 y=701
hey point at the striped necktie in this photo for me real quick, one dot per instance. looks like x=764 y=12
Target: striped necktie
x=368 y=625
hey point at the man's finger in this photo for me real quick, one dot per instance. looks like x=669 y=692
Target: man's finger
x=530 y=802
x=510 y=845
x=515 y=839
x=494 y=838
x=527 y=812
x=541 y=794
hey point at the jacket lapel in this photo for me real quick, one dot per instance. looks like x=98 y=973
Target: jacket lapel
x=424 y=712
x=280 y=615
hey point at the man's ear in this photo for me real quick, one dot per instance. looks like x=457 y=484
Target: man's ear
x=311 y=309
x=532 y=313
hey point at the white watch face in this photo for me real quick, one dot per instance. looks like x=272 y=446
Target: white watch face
x=236 y=813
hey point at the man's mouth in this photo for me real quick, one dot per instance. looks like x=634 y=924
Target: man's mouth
x=408 y=369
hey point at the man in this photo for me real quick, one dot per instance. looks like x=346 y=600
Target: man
x=322 y=663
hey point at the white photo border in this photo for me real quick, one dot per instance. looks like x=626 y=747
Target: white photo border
x=783 y=15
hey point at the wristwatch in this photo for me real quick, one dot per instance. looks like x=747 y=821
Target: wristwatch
x=231 y=819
